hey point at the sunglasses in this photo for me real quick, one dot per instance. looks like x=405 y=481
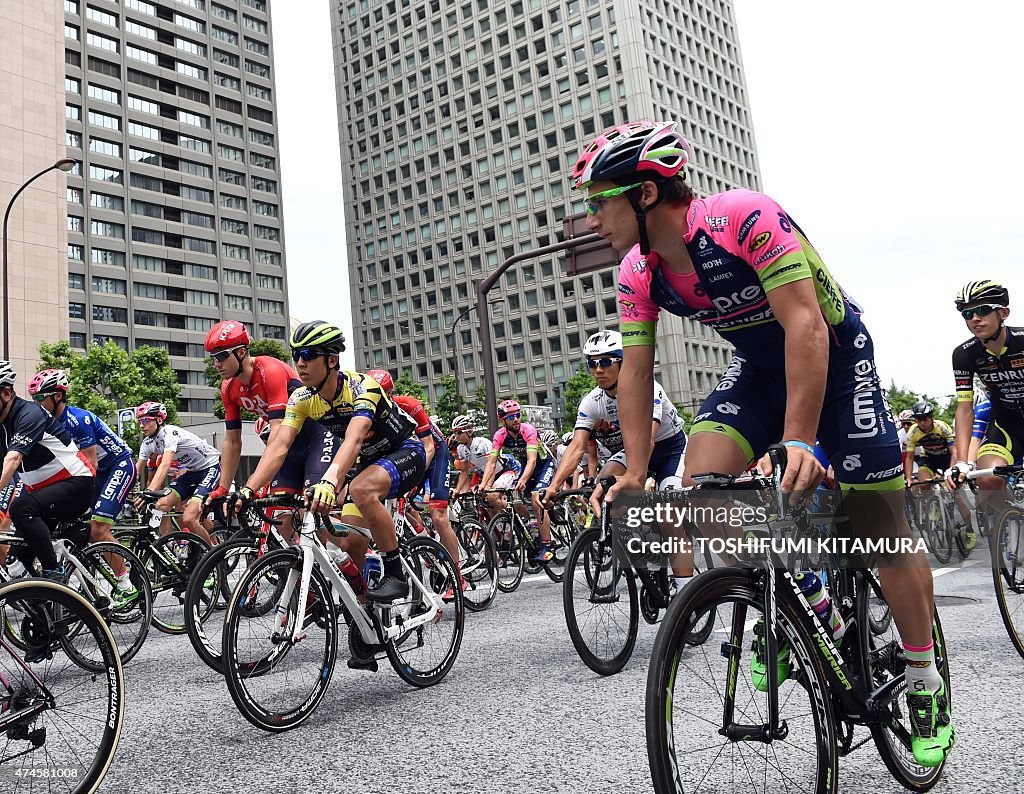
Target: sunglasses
x=222 y=355
x=41 y=397
x=603 y=363
x=979 y=311
x=307 y=354
x=594 y=203
x=508 y=417
x=145 y=420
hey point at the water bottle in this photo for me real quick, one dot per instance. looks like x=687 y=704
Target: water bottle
x=816 y=595
x=343 y=562
x=373 y=569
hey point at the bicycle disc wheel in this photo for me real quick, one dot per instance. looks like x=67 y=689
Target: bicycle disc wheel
x=129 y=625
x=882 y=660
x=687 y=687
x=169 y=563
x=480 y=565
x=601 y=606
x=1007 y=544
x=204 y=613
x=277 y=683
x=62 y=722
x=424 y=655
x=511 y=554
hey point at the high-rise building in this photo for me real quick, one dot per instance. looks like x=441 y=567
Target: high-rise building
x=174 y=218
x=459 y=124
x=31 y=140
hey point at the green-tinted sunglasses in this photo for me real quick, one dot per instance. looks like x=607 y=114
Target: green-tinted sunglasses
x=594 y=203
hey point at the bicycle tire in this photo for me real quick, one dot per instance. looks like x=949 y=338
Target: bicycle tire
x=881 y=659
x=511 y=555
x=241 y=670
x=480 y=568
x=1007 y=553
x=198 y=609
x=933 y=528
x=93 y=557
x=700 y=632
x=436 y=569
x=106 y=693
x=577 y=586
x=169 y=568
x=715 y=591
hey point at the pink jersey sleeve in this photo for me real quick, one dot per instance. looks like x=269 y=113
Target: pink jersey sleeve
x=530 y=435
x=498 y=442
x=638 y=314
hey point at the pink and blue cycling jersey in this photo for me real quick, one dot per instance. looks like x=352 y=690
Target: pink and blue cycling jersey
x=743 y=245
x=517 y=445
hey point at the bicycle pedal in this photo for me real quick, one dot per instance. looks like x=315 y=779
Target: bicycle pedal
x=361 y=664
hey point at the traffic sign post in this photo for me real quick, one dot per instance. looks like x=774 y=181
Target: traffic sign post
x=124 y=415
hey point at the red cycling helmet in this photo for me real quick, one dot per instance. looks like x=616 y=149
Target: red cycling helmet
x=383 y=377
x=225 y=335
x=262 y=429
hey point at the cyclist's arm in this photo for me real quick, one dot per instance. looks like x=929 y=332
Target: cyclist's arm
x=429 y=447
x=345 y=458
x=12 y=462
x=531 y=464
x=908 y=462
x=636 y=395
x=156 y=482
x=90 y=455
x=964 y=424
x=972 y=454
x=489 y=469
x=142 y=472
x=230 y=454
x=270 y=462
x=592 y=459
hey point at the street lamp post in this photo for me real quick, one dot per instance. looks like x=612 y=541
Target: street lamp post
x=64 y=164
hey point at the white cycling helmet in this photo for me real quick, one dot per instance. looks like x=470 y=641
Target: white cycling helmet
x=550 y=439
x=7 y=373
x=567 y=437
x=462 y=422
x=604 y=343
x=437 y=422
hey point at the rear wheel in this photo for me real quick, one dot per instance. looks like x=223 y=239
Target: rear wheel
x=511 y=556
x=479 y=567
x=1007 y=547
x=169 y=563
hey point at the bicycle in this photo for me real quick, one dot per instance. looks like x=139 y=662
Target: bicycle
x=61 y=718
x=168 y=560
x=268 y=638
x=600 y=600
x=478 y=558
x=1006 y=546
x=934 y=514
x=516 y=548
x=705 y=719
x=87 y=569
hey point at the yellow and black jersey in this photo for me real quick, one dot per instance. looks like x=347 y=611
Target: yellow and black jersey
x=357 y=395
x=937 y=441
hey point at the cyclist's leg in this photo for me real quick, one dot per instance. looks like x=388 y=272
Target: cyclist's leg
x=668 y=464
x=192 y=514
x=539 y=483
x=437 y=474
x=33 y=512
x=111 y=493
x=1003 y=445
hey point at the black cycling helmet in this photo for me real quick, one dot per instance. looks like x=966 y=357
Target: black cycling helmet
x=981 y=292
x=922 y=409
x=318 y=335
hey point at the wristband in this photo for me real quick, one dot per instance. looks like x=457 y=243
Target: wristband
x=800 y=445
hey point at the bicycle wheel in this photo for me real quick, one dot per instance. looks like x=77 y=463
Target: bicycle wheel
x=129 y=624
x=479 y=566
x=934 y=528
x=601 y=606
x=511 y=555
x=562 y=536
x=424 y=655
x=687 y=687
x=275 y=683
x=169 y=563
x=1007 y=547
x=881 y=660
x=61 y=722
x=204 y=613
x=703 y=626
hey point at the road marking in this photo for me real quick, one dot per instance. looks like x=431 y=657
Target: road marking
x=943 y=571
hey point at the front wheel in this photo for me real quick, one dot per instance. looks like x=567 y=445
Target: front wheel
x=691 y=687
x=169 y=563
x=1007 y=547
x=479 y=567
x=600 y=602
x=510 y=550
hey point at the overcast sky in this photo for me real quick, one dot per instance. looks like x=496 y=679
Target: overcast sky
x=890 y=131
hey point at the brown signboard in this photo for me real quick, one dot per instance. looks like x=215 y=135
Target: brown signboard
x=589 y=257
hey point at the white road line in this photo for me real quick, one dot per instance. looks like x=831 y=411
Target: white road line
x=943 y=571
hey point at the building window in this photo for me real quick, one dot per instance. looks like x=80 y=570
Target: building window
x=229 y=251
x=139 y=54
x=76 y=311
x=104 y=229
x=242 y=277
x=232 y=226
x=110 y=314
x=102 y=42
x=270 y=307
x=238 y=303
x=101 y=256
x=111 y=285
x=76 y=281
x=143 y=131
x=106 y=202
x=100 y=146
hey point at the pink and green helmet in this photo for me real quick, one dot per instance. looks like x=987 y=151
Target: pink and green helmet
x=640 y=149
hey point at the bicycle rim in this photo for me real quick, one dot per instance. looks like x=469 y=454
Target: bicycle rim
x=686 y=692
x=1007 y=543
x=511 y=554
x=128 y=625
x=169 y=563
x=77 y=734
x=480 y=567
x=276 y=684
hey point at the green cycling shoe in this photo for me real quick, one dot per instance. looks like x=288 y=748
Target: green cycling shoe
x=931 y=727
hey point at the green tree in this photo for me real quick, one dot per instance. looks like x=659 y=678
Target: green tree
x=406 y=385
x=685 y=414
x=478 y=402
x=576 y=388
x=260 y=347
x=451 y=403
x=900 y=399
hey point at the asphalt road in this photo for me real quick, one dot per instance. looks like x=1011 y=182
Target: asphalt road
x=518 y=713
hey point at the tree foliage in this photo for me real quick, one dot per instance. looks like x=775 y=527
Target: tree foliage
x=259 y=347
x=408 y=386
x=576 y=388
x=901 y=399
x=478 y=402
x=107 y=379
x=451 y=403
x=686 y=415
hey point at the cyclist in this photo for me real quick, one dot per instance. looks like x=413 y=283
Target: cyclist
x=804 y=364
x=474 y=453
x=600 y=407
x=995 y=354
x=982 y=412
x=199 y=463
x=57 y=480
x=107 y=453
x=523 y=442
x=355 y=409
x=438 y=463
x=262 y=385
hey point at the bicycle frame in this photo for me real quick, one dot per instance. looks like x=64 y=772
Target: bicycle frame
x=63 y=551
x=373 y=630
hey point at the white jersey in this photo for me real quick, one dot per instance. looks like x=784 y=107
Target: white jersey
x=902 y=435
x=599 y=415
x=191 y=452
